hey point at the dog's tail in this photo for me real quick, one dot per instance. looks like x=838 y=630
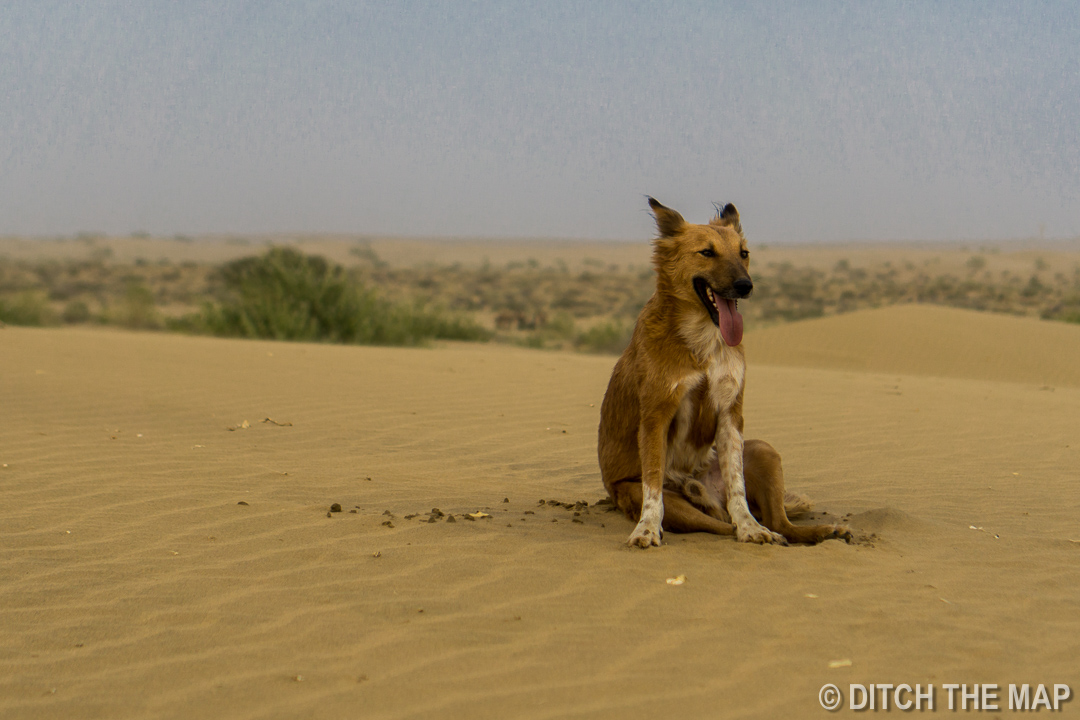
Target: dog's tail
x=796 y=504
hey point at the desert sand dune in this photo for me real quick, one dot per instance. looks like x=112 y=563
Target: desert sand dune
x=161 y=557
x=929 y=340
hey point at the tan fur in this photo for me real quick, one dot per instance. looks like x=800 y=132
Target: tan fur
x=671 y=449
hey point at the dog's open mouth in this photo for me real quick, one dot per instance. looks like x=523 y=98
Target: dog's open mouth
x=723 y=311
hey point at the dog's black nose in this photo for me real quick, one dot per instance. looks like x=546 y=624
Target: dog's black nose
x=743 y=286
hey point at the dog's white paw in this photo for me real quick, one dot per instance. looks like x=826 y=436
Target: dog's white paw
x=759 y=534
x=644 y=536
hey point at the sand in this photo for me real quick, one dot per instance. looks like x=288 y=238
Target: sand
x=160 y=559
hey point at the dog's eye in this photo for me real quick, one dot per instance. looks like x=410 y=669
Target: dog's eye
x=744 y=254
x=707 y=252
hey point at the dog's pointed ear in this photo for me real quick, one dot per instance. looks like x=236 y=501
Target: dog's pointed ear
x=668 y=222
x=727 y=216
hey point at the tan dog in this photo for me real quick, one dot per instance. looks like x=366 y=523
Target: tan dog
x=671 y=446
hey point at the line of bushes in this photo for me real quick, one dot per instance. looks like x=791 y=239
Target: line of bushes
x=135 y=309
x=26 y=308
x=286 y=295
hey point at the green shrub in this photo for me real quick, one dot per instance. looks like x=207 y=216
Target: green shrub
x=561 y=326
x=413 y=323
x=976 y=263
x=76 y=312
x=28 y=308
x=286 y=295
x=534 y=341
x=137 y=309
x=607 y=337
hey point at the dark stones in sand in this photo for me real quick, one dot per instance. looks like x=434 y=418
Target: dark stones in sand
x=506 y=500
x=529 y=512
x=336 y=507
x=241 y=503
x=354 y=512
x=579 y=521
x=433 y=519
x=436 y=512
x=579 y=505
x=451 y=519
x=388 y=524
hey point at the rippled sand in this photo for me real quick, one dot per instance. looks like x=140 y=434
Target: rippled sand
x=156 y=563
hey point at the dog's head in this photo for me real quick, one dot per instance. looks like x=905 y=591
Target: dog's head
x=706 y=266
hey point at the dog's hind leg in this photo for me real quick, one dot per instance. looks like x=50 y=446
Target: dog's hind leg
x=765 y=488
x=679 y=514
x=700 y=495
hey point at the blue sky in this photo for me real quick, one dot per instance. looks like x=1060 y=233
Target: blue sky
x=821 y=121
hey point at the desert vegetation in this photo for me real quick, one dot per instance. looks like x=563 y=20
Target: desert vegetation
x=288 y=294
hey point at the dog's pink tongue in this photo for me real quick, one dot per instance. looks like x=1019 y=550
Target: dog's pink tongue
x=730 y=322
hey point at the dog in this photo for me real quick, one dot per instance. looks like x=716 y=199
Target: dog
x=671 y=447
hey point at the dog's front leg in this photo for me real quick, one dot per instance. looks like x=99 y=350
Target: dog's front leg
x=729 y=455
x=652 y=443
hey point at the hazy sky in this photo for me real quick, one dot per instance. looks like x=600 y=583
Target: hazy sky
x=820 y=120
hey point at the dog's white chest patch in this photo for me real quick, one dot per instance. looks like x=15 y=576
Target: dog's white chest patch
x=726 y=375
